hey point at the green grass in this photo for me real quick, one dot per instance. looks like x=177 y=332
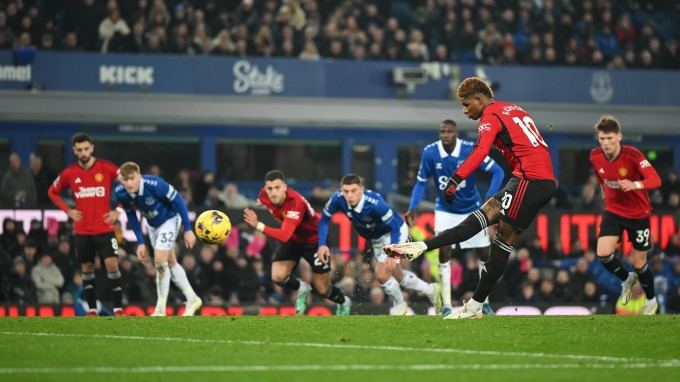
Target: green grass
x=355 y=348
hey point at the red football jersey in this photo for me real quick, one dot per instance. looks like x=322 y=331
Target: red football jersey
x=295 y=214
x=91 y=189
x=515 y=134
x=631 y=164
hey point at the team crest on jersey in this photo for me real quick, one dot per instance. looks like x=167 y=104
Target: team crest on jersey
x=623 y=171
x=99 y=177
x=148 y=201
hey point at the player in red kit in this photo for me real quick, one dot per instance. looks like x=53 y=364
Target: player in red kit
x=299 y=237
x=624 y=174
x=514 y=133
x=89 y=180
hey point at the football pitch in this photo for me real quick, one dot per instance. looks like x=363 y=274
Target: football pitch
x=353 y=348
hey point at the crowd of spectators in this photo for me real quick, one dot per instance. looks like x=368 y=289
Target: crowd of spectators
x=613 y=33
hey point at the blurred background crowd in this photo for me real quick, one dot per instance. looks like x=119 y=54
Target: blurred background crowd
x=613 y=33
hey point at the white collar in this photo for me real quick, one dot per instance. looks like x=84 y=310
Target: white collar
x=140 y=192
x=455 y=153
x=360 y=205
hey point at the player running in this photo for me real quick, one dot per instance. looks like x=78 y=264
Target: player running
x=89 y=180
x=439 y=160
x=378 y=223
x=164 y=210
x=624 y=174
x=299 y=239
x=514 y=132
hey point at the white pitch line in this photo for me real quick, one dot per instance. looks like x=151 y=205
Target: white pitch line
x=317 y=368
x=349 y=346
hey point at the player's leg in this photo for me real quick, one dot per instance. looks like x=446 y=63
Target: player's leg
x=483 y=254
x=107 y=248
x=167 y=239
x=284 y=261
x=179 y=277
x=85 y=251
x=442 y=221
x=387 y=281
x=321 y=279
x=162 y=244
x=610 y=233
x=639 y=234
x=518 y=204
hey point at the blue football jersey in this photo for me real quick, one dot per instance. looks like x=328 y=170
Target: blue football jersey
x=157 y=201
x=440 y=165
x=372 y=217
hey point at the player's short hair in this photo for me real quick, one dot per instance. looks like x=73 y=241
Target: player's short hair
x=80 y=138
x=608 y=124
x=274 y=175
x=449 y=122
x=129 y=168
x=472 y=86
x=350 y=179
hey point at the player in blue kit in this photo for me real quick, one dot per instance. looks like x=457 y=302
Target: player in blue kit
x=439 y=160
x=164 y=210
x=378 y=223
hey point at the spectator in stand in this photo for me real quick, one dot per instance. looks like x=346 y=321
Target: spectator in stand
x=8 y=237
x=17 y=189
x=20 y=288
x=563 y=288
x=48 y=280
x=114 y=32
x=233 y=199
x=42 y=180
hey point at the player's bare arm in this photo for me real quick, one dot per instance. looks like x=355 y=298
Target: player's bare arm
x=74 y=214
x=627 y=185
x=189 y=239
x=141 y=252
x=323 y=252
x=410 y=217
x=111 y=216
x=250 y=217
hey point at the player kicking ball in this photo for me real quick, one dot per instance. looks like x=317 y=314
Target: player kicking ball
x=164 y=210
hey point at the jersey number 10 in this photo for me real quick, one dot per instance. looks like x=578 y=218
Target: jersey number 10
x=529 y=128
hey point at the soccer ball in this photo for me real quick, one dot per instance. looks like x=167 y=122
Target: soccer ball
x=213 y=227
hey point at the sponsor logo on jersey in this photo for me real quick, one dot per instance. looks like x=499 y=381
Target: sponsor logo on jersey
x=249 y=78
x=99 y=177
x=90 y=192
x=77 y=181
x=645 y=163
x=623 y=171
x=11 y=73
x=293 y=215
x=484 y=127
x=126 y=75
x=614 y=184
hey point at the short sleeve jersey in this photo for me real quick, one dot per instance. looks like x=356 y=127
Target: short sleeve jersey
x=372 y=217
x=631 y=164
x=514 y=133
x=91 y=189
x=154 y=200
x=297 y=209
x=439 y=164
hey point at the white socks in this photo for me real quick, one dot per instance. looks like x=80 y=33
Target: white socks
x=162 y=286
x=413 y=282
x=445 y=282
x=392 y=290
x=179 y=277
